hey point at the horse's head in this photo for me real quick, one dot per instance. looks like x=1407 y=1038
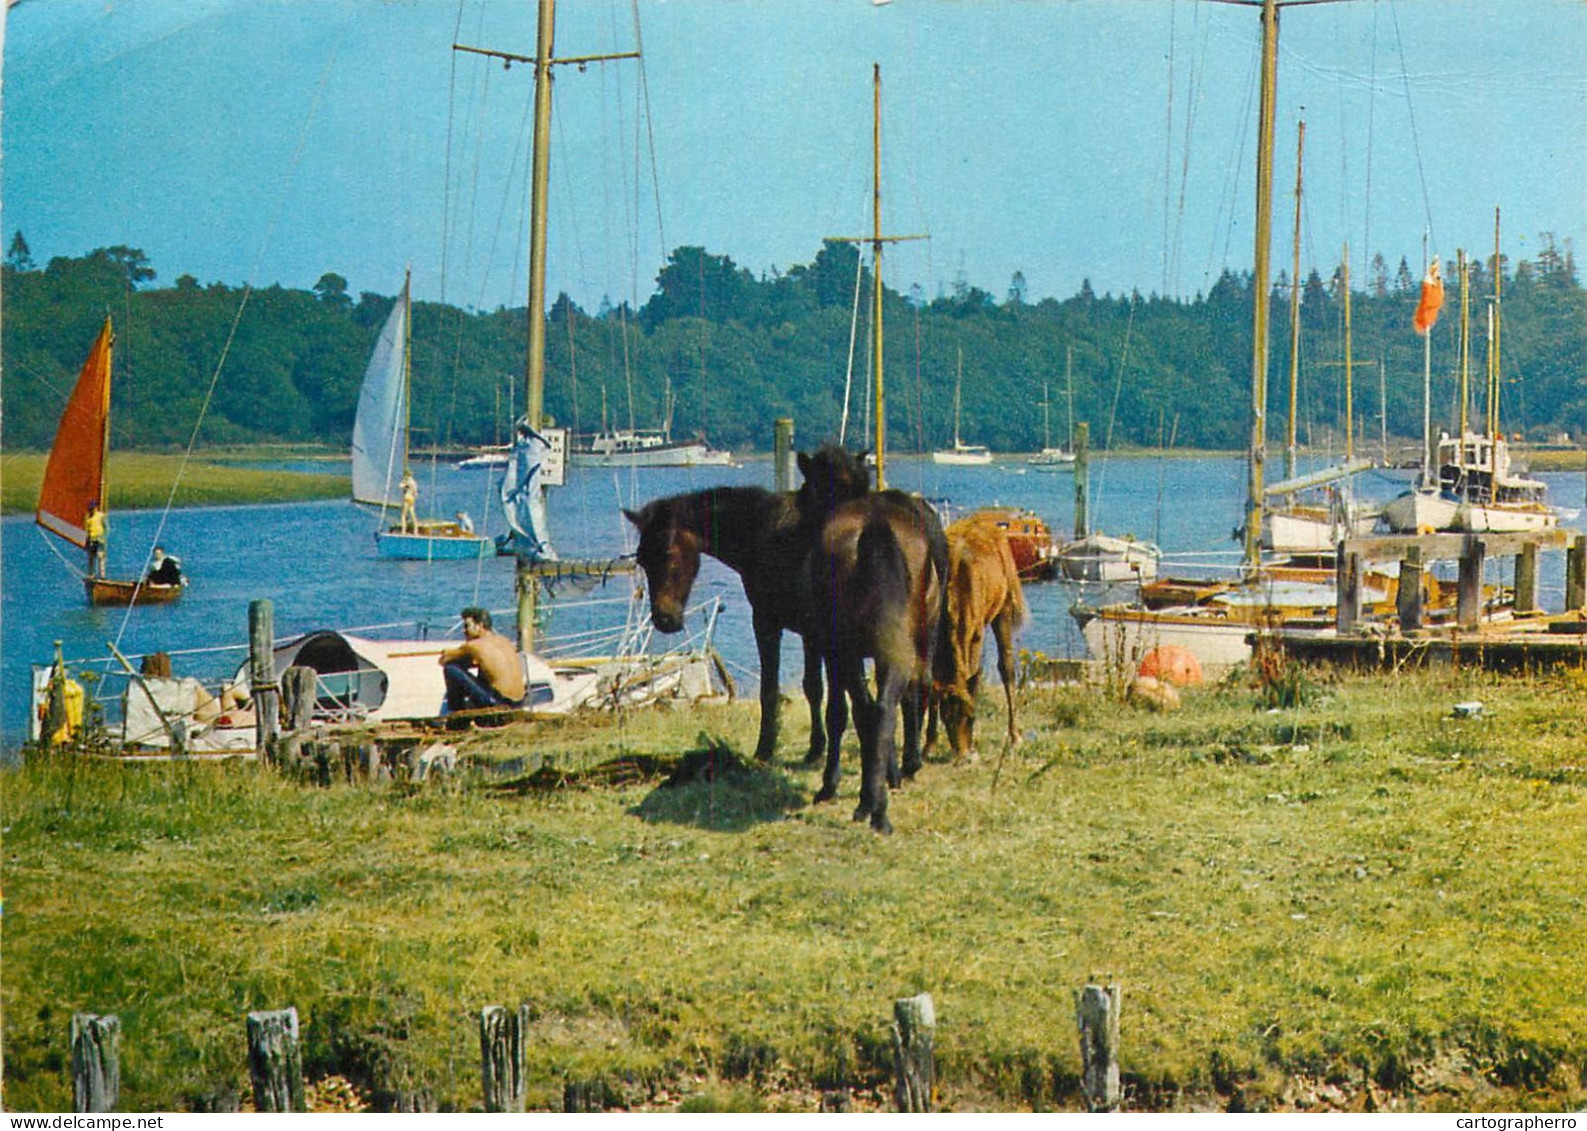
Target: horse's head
x=957 y=708
x=833 y=475
x=670 y=556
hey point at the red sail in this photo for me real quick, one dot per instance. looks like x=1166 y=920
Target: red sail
x=1432 y=298
x=75 y=473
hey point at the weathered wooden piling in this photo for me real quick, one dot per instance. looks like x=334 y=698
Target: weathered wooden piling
x=1408 y=598
x=782 y=447
x=1468 y=592
x=275 y=1062
x=1526 y=579
x=1347 y=588
x=96 y=1062
x=914 y=1053
x=1082 y=477
x=1576 y=573
x=262 y=674
x=503 y=1060
x=1097 y=1015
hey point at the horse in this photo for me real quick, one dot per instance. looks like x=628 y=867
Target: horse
x=758 y=534
x=983 y=589
x=878 y=571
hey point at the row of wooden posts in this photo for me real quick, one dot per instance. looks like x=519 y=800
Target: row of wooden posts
x=275 y=1062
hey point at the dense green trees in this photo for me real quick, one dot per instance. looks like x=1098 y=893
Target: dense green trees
x=737 y=351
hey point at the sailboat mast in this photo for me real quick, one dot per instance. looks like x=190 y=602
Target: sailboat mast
x=1294 y=315
x=1465 y=342
x=1069 y=383
x=534 y=403
x=958 y=387
x=1259 y=284
x=876 y=273
x=1350 y=408
x=407 y=372
x=1494 y=378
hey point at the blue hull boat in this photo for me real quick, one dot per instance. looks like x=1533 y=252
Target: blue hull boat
x=434 y=547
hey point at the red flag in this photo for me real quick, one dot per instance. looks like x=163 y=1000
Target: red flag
x=1432 y=298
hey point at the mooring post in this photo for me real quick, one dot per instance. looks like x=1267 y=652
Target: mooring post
x=1408 y=599
x=503 y=1056
x=262 y=675
x=1526 y=578
x=1097 y=1015
x=274 y=1060
x=1082 y=477
x=1347 y=589
x=1468 y=595
x=782 y=458
x=1576 y=573
x=914 y=1053
x=96 y=1062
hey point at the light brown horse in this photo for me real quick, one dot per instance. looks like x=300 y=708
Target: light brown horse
x=983 y=589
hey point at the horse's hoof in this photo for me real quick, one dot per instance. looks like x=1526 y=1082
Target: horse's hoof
x=764 y=755
x=815 y=758
x=882 y=826
x=911 y=769
x=862 y=812
x=825 y=795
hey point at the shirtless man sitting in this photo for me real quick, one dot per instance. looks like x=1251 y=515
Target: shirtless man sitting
x=485 y=670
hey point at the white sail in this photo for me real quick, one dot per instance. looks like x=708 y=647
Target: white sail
x=523 y=496
x=378 y=440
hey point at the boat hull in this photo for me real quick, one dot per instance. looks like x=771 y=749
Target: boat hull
x=671 y=455
x=108 y=592
x=1491 y=519
x=1418 y=512
x=1299 y=532
x=1122 y=636
x=434 y=547
x=1102 y=558
x=962 y=459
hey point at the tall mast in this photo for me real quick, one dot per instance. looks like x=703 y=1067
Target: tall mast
x=876 y=272
x=1069 y=382
x=1465 y=341
x=1350 y=409
x=958 y=387
x=407 y=354
x=1495 y=380
x=1259 y=285
x=1294 y=315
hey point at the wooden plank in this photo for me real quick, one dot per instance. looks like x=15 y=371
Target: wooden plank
x=96 y=1062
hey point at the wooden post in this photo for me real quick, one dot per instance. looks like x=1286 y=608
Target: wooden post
x=1082 y=477
x=1526 y=579
x=782 y=457
x=503 y=1062
x=96 y=1062
x=262 y=674
x=1468 y=595
x=1347 y=589
x=914 y=1056
x=1576 y=573
x=1097 y=1014
x=298 y=693
x=274 y=1060
x=1408 y=600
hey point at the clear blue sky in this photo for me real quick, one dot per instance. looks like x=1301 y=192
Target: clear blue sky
x=273 y=140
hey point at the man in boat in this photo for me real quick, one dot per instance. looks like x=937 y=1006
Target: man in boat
x=163 y=569
x=94 y=539
x=409 y=520
x=483 y=671
x=465 y=523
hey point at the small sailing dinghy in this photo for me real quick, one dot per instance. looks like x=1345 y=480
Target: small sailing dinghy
x=74 y=479
x=380 y=454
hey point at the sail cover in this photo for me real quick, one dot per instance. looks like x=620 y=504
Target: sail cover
x=75 y=473
x=523 y=495
x=378 y=441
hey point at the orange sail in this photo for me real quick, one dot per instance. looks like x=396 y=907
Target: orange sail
x=1432 y=298
x=75 y=473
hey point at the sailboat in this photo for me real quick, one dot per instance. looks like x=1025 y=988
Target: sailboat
x=645 y=447
x=380 y=451
x=1050 y=458
x=74 y=477
x=962 y=454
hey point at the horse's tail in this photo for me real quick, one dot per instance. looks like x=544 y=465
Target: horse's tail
x=879 y=563
x=937 y=551
x=1016 y=590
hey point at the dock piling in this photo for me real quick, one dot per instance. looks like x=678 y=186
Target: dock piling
x=1408 y=599
x=1468 y=595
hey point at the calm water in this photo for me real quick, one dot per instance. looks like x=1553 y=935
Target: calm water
x=316 y=562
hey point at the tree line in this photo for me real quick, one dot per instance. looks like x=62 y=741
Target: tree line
x=736 y=350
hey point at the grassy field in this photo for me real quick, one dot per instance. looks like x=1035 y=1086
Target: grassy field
x=1362 y=902
x=144 y=479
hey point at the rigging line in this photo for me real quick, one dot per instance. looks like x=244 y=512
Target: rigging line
x=1372 y=91
x=446 y=166
x=854 y=325
x=650 y=128
x=242 y=306
x=1168 y=144
x=1416 y=137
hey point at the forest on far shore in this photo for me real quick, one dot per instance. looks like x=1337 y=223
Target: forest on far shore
x=738 y=350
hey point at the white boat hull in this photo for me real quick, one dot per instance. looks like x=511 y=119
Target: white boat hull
x=1122 y=636
x=1290 y=532
x=1477 y=518
x=962 y=459
x=1418 y=512
x=1102 y=558
x=670 y=455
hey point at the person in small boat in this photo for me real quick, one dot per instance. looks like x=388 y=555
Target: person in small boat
x=164 y=569
x=94 y=539
x=409 y=520
x=485 y=670
x=464 y=522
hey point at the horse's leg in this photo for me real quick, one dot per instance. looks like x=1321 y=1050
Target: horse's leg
x=913 y=702
x=813 y=691
x=1003 y=629
x=837 y=720
x=932 y=701
x=768 y=642
x=883 y=753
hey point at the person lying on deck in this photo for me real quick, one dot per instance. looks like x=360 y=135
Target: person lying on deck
x=163 y=569
x=485 y=670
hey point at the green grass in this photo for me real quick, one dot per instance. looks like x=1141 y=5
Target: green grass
x=1359 y=902
x=144 y=479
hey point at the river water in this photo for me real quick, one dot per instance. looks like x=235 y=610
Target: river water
x=316 y=561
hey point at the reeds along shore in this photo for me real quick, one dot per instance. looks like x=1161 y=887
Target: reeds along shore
x=1358 y=900
x=144 y=479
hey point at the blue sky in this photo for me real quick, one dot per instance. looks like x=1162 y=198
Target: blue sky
x=271 y=141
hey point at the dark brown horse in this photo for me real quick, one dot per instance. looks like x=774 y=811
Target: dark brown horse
x=878 y=572
x=758 y=534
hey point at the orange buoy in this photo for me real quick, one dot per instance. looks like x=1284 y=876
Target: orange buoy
x=1172 y=663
